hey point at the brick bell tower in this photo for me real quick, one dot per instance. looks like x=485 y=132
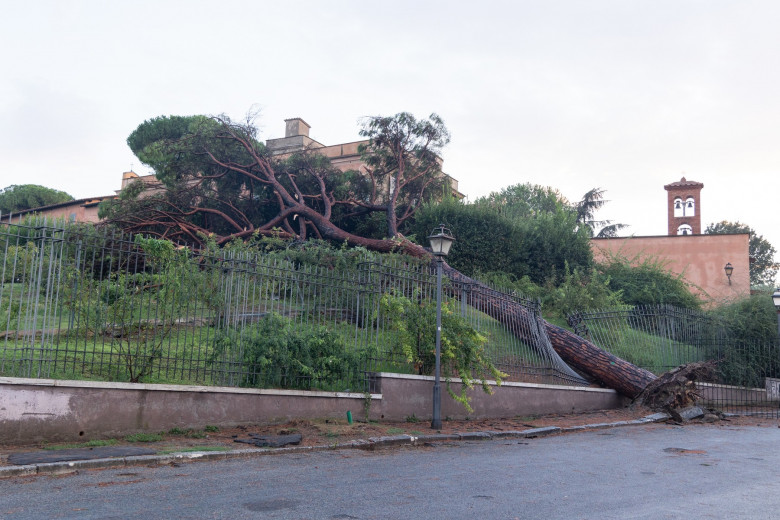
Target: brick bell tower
x=684 y=207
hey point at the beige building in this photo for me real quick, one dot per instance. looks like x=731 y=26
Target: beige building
x=700 y=259
x=151 y=184
x=81 y=210
x=345 y=156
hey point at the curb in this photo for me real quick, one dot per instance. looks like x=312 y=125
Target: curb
x=372 y=443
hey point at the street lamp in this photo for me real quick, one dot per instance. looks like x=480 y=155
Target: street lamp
x=441 y=239
x=729 y=269
x=776 y=301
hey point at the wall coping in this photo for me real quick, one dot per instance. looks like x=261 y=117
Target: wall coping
x=105 y=385
x=391 y=375
x=716 y=385
x=155 y=387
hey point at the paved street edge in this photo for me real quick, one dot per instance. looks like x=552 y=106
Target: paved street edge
x=60 y=468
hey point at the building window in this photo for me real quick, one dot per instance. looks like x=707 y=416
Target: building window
x=72 y=217
x=685 y=229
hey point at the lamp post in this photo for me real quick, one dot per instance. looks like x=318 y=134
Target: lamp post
x=729 y=269
x=441 y=239
x=776 y=301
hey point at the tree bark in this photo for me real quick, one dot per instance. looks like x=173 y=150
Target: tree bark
x=605 y=368
x=579 y=353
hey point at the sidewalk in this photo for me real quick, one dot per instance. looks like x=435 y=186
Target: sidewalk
x=177 y=446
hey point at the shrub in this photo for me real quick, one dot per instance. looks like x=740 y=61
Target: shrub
x=277 y=353
x=749 y=320
x=462 y=347
x=578 y=290
x=647 y=282
x=751 y=351
x=488 y=240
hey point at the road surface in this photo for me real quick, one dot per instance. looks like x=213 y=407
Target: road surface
x=649 y=472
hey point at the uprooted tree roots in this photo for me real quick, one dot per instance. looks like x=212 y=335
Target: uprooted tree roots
x=676 y=389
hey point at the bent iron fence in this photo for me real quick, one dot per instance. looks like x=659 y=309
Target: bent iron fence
x=79 y=302
x=660 y=338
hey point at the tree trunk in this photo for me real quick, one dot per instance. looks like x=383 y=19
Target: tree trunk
x=579 y=353
x=600 y=365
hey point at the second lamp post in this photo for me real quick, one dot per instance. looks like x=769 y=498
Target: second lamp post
x=441 y=239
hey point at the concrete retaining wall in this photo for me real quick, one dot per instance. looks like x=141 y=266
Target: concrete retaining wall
x=722 y=395
x=37 y=410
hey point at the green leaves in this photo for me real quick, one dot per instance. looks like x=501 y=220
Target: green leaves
x=647 y=282
x=277 y=353
x=488 y=240
x=27 y=196
x=762 y=265
x=463 y=352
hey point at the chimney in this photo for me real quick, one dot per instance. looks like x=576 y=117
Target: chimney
x=296 y=126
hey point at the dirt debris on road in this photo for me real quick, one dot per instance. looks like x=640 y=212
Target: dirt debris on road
x=319 y=432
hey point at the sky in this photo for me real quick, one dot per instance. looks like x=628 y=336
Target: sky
x=618 y=94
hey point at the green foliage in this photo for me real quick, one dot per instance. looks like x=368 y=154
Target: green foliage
x=751 y=350
x=404 y=170
x=488 y=240
x=127 y=299
x=523 y=201
x=24 y=269
x=20 y=197
x=749 y=320
x=20 y=262
x=645 y=281
x=586 y=209
x=278 y=353
x=220 y=179
x=763 y=268
x=552 y=242
x=575 y=290
x=462 y=347
x=484 y=241
x=144 y=437
x=194 y=158
x=578 y=290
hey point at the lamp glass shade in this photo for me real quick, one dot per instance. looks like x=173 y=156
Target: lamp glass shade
x=441 y=240
x=776 y=299
x=729 y=269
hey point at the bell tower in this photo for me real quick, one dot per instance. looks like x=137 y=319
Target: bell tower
x=684 y=207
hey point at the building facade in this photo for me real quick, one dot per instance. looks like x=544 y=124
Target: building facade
x=344 y=156
x=81 y=210
x=701 y=260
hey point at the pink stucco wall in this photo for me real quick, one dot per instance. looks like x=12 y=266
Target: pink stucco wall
x=699 y=258
x=38 y=410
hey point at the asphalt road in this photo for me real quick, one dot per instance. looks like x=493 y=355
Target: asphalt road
x=649 y=472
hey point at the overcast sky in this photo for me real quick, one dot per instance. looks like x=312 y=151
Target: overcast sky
x=623 y=95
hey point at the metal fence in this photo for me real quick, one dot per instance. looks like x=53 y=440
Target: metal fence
x=82 y=303
x=660 y=338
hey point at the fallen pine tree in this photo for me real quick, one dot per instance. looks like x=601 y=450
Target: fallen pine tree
x=222 y=183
